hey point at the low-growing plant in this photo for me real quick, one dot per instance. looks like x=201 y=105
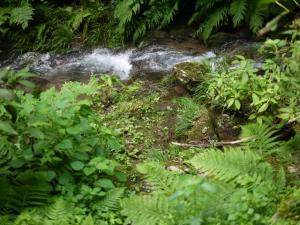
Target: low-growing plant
x=261 y=90
x=188 y=112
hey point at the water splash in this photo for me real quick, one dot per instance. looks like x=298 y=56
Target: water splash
x=99 y=61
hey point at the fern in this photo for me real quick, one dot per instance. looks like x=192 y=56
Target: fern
x=238 y=10
x=21 y=15
x=146 y=210
x=170 y=14
x=135 y=22
x=28 y=190
x=262 y=138
x=213 y=21
x=157 y=177
x=188 y=198
x=112 y=199
x=136 y=17
x=242 y=167
x=59 y=212
x=256 y=20
x=29 y=217
x=77 y=19
x=188 y=112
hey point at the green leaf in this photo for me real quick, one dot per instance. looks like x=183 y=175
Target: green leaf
x=264 y=107
x=120 y=176
x=77 y=165
x=17 y=163
x=36 y=133
x=74 y=130
x=50 y=175
x=255 y=99
x=66 y=178
x=27 y=83
x=80 y=155
x=65 y=144
x=88 y=221
x=7 y=128
x=7 y=94
x=89 y=170
x=105 y=183
x=230 y=102
x=237 y=104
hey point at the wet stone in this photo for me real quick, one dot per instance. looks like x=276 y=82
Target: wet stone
x=189 y=73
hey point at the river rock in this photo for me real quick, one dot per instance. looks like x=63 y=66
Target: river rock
x=220 y=38
x=28 y=58
x=189 y=73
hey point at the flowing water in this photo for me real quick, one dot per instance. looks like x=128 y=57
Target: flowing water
x=149 y=62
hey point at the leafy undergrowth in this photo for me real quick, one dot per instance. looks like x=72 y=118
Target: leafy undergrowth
x=114 y=153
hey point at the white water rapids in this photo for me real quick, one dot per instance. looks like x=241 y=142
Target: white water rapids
x=153 y=59
x=149 y=62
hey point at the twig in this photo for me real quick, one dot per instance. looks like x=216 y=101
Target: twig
x=294 y=119
x=217 y=144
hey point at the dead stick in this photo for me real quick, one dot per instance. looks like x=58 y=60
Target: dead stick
x=217 y=144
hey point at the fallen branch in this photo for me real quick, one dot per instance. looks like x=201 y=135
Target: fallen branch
x=216 y=144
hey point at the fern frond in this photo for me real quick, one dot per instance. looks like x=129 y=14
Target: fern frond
x=78 y=18
x=238 y=10
x=169 y=14
x=59 y=211
x=124 y=12
x=158 y=177
x=213 y=21
x=139 y=32
x=147 y=210
x=188 y=112
x=21 y=15
x=112 y=199
x=262 y=138
x=256 y=20
x=242 y=167
x=28 y=218
x=27 y=190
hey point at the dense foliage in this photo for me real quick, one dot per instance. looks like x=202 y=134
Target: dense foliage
x=262 y=89
x=55 y=25
x=55 y=143
x=59 y=25
x=106 y=152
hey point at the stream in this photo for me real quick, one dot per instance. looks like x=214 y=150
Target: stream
x=149 y=62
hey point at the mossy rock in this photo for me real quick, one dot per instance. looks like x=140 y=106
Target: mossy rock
x=189 y=73
x=202 y=130
x=216 y=127
x=226 y=127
